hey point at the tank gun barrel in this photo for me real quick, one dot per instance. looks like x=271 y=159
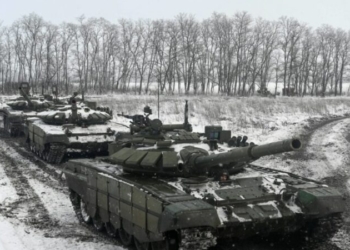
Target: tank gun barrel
x=24 y=94
x=126 y=116
x=170 y=127
x=74 y=112
x=246 y=154
x=186 y=113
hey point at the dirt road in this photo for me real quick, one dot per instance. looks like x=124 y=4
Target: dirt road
x=35 y=210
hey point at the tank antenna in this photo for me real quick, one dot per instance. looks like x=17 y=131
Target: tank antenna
x=186 y=113
x=158 y=99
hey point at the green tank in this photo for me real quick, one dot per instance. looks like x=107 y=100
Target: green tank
x=143 y=124
x=90 y=104
x=13 y=112
x=175 y=189
x=70 y=129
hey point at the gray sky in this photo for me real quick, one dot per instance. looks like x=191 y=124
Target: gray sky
x=313 y=12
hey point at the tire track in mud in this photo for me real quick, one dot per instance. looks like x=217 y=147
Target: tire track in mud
x=338 y=179
x=314 y=137
x=34 y=212
x=28 y=197
x=18 y=144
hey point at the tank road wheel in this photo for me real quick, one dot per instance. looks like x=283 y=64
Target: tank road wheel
x=41 y=154
x=141 y=246
x=45 y=154
x=110 y=229
x=125 y=238
x=84 y=214
x=7 y=127
x=75 y=199
x=170 y=242
x=98 y=224
x=324 y=229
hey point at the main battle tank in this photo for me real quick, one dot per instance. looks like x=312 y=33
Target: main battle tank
x=13 y=112
x=73 y=128
x=173 y=189
x=89 y=104
x=143 y=124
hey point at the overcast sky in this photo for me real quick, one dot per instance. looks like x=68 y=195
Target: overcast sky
x=313 y=12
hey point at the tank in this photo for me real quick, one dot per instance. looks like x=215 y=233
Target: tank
x=70 y=129
x=13 y=112
x=90 y=104
x=175 y=189
x=143 y=124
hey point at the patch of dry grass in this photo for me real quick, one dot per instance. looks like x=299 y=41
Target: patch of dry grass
x=237 y=114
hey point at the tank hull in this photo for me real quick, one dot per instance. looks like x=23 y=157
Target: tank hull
x=12 y=121
x=257 y=201
x=55 y=140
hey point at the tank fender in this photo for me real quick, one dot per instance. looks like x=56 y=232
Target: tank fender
x=320 y=201
x=57 y=139
x=91 y=192
x=188 y=214
x=76 y=179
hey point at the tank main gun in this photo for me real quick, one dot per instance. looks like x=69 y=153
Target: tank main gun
x=25 y=96
x=198 y=161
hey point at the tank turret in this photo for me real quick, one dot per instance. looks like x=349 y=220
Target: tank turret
x=142 y=124
x=188 y=155
x=74 y=114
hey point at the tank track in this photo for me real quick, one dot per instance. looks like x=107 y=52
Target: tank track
x=324 y=229
x=55 y=153
x=76 y=207
x=196 y=238
x=13 y=129
x=191 y=238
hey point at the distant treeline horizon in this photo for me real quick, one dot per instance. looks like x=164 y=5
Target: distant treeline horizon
x=233 y=55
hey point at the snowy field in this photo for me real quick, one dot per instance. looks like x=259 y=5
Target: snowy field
x=261 y=119
x=42 y=197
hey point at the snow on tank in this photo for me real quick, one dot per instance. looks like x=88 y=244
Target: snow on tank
x=70 y=128
x=75 y=115
x=193 y=188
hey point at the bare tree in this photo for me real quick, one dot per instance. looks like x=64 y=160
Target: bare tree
x=326 y=43
x=32 y=26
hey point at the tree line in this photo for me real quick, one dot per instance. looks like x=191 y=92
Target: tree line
x=233 y=55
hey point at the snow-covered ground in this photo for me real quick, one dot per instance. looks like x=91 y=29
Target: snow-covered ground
x=263 y=120
x=35 y=210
